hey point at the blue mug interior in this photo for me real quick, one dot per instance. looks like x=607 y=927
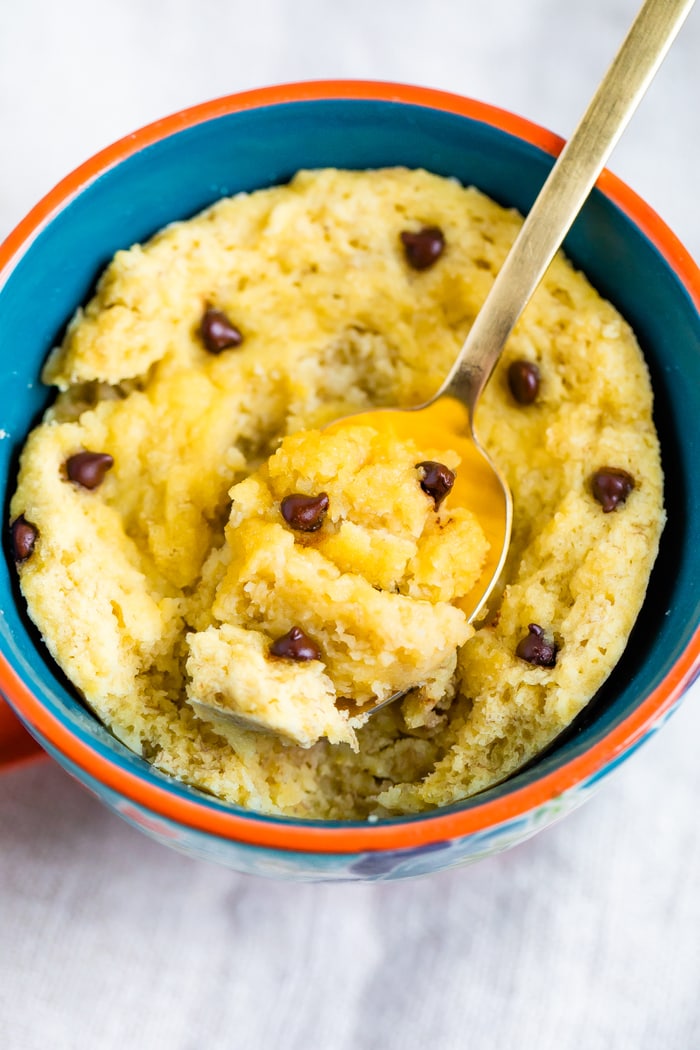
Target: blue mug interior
x=179 y=175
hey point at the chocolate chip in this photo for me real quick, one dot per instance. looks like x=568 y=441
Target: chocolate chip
x=524 y=381
x=437 y=480
x=24 y=536
x=534 y=649
x=610 y=486
x=295 y=645
x=423 y=248
x=304 y=513
x=218 y=332
x=88 y=468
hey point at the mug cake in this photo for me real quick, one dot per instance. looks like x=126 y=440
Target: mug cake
x=191 y=538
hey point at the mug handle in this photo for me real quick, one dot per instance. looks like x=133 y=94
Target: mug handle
x=16 y=745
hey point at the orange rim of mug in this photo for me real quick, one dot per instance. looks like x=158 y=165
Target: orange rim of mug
x=433 y=827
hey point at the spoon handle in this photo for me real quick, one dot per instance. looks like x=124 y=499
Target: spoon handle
x=564 y=193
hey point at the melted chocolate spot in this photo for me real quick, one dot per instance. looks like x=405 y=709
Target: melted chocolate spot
x=611 y=486
x=295 y=645
x=88 y=468
x=535 y=649
x=24 y=536
x=304 y=513
x=218 y=332
x=423 y=248
x=524 y=381
x=437 y=480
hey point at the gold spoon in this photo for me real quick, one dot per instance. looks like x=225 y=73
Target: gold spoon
x=449 y=416
x=451 y=412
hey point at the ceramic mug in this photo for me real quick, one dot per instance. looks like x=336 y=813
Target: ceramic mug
x=174 y=168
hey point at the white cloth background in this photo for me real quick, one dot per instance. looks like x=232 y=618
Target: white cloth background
x=587 y=936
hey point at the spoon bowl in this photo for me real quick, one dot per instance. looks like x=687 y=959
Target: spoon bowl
x=445 y=422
